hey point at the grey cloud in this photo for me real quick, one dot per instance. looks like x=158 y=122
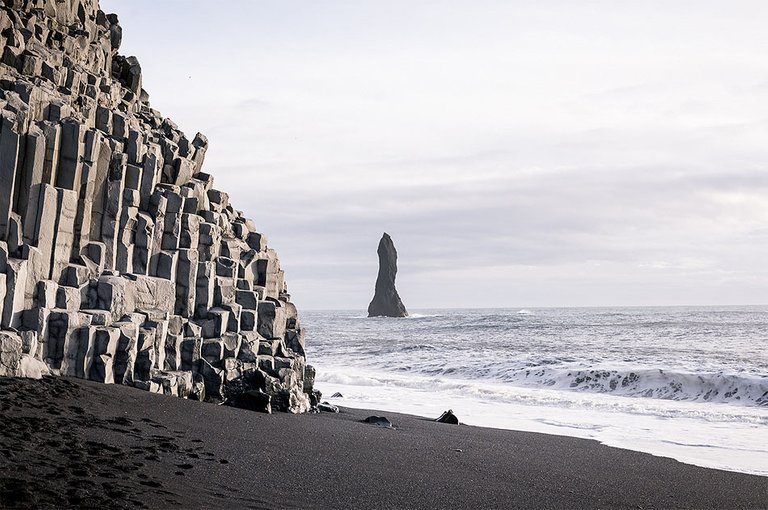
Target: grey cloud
x=535 y=152
x=568 y=218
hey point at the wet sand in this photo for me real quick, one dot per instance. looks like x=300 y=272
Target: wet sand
x=70 y=443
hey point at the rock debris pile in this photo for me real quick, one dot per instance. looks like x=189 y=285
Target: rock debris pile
x=119 y=260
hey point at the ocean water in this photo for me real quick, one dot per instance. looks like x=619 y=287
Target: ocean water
x=686 y=383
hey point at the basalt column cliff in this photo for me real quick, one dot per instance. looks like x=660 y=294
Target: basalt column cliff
x=119 y=261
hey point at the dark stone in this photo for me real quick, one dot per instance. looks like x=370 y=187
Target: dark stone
x=386 y=301
x=337 y=395
x=329 y=408
x=314 y=398
x=128 y=70
x=255 y=400
x=281 y=400
x=379 y=421
x=309 y=378
x=198 y=388
x=116 y=36
x=448 y=417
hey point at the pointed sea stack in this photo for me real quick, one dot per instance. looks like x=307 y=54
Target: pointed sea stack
x=386 y=302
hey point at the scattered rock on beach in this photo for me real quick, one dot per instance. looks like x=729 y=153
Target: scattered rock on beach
x=10 y=354
x=379 y=421
x=337 y=395
x=327 y=408
x=315 y=397
x=448 y=417
x=32 y=368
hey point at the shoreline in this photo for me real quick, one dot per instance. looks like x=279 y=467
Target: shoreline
x=88 y=444
x=565 y=433
x=610 y=427
x=681 y=384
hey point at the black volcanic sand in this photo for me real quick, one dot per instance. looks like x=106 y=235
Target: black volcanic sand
x=68 y=443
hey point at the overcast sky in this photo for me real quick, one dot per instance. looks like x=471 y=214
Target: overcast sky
x=520 y=153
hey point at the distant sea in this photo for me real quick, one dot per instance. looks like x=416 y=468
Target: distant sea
x=681 y=382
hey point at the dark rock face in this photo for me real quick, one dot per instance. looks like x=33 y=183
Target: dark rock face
x=386 y=302
x=119 y=260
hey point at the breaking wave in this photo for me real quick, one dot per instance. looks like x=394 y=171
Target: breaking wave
x=706 y=356
x=651 y=383
x=648 y=383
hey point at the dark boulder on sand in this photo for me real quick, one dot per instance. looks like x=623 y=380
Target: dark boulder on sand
x=386 y=301
x=314 y=398
x=448 y=417
x=327 y=408
x=379 y=421
x=10 y=354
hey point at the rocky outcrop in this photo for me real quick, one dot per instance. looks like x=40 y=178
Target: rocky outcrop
x=386 y=301
x=120 y=261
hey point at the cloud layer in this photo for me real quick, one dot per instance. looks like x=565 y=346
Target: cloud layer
x=528 y=153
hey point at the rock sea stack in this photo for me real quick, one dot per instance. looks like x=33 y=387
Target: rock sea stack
x=119 y=260
x=386 y=301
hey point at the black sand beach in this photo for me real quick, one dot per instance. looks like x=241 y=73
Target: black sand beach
x=71 y=443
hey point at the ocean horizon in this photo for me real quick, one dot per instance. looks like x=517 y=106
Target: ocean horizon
x=427 y=310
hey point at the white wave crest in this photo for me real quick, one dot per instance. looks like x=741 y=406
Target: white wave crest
x=652 y=383
x=373 y=382
x=738 y=389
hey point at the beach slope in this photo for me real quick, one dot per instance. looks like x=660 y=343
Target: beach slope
x=72 y=443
